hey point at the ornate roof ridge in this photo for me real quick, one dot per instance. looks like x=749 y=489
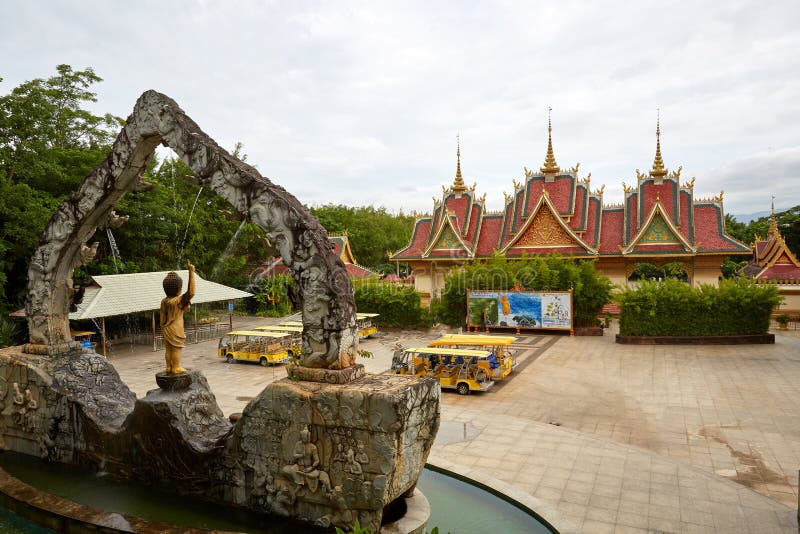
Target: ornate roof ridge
x=550 y=166
x=658 y=170
x=458 y=184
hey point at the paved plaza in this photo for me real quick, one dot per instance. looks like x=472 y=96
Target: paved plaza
x=596 y=436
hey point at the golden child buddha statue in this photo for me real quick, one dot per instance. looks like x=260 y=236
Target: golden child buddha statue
x=173 y=306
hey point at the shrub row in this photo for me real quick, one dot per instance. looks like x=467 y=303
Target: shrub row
x=590 y=290
x=672 y=308
x=398 y=305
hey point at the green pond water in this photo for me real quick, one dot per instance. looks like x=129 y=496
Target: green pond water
x=456 y=506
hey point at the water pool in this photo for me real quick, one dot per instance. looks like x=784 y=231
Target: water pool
x=456 y=506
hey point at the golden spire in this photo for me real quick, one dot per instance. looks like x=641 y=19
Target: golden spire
x=458 y=183
x=658 y=170
x=773 y=224
x=550 y=165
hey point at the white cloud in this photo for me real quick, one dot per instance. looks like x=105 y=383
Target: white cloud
x=360 y=102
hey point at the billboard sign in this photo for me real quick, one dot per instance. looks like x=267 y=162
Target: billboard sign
x=520 y=309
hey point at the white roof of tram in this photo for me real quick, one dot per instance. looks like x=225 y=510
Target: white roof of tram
x=120 y=294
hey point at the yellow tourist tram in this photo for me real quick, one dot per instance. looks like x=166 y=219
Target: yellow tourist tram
x=363 y=321
x=258 y=346
x=365 y=326
x=457 y=369
x=501 y=361
x=281 y=328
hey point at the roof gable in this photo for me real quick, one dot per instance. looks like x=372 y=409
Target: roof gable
x=447 y=239
x=658 y=230
x=545 y=228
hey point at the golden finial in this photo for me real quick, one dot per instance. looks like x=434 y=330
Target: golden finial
x=458 y=183
x=588 y=179
x=574 y=170
x=444 y=189
x=528 y=173
x=719 y=197
x=677 y=173
x=626 y=188
x=690 y=183
x=545 y=192
x=773 y=224
x=640 y=175
x=658 y=171
x=473 y=186
x=550 y=165
x=482 y=199
x=517 y=184
x=602 y=188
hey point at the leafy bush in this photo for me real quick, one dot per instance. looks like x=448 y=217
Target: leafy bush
x=9 y=333
x=590 y=290
x=398 y=305
x=273 y=296
x=672 y=308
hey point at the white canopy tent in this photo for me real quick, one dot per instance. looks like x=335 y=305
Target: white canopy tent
x=122 y=294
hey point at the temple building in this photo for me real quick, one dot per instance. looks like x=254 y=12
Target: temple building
x=553 y=210
x=773 y=263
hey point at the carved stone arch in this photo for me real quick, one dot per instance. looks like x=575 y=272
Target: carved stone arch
x=328 y=308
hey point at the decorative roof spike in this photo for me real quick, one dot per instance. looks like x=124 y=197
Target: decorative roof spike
x=550 y=165
x=458 y=183
x=658 y=170
x=773 y=224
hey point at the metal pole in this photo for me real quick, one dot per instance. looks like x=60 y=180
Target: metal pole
x=153 y=330
x=230 y=315
x=195 y=323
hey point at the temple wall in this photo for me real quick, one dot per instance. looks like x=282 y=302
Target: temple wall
x=707 y=270
x=791 y=299
x=613 y=268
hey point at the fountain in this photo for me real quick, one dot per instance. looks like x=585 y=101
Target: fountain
x=327 y=445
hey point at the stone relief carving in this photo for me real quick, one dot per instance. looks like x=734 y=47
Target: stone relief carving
x=329 y=339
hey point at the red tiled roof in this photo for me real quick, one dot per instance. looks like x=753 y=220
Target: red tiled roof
x=707 y=227
x=474 y=222
x=631 y=209
x=419 y=238
x=490 y=232
x=611 y=231
x=592 y=220
x=685 y=228
x=519 y=219
x=560 y=191
x=357 y=271
x=578 y=221
x=665 y=192
x=459 y=208
x=781 y=271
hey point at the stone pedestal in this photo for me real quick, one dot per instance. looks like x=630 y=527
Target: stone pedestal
x=170 y=382
x=330 y=453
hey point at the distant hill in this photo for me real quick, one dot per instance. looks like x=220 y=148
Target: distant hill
x=747 y=217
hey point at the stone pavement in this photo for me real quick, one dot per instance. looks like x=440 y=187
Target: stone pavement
x=596 y=436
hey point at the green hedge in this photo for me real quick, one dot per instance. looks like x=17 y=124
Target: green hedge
x=590 y=290
x=672 y=308
x=398 y=305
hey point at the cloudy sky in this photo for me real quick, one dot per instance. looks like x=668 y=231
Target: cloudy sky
x=360 y=102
